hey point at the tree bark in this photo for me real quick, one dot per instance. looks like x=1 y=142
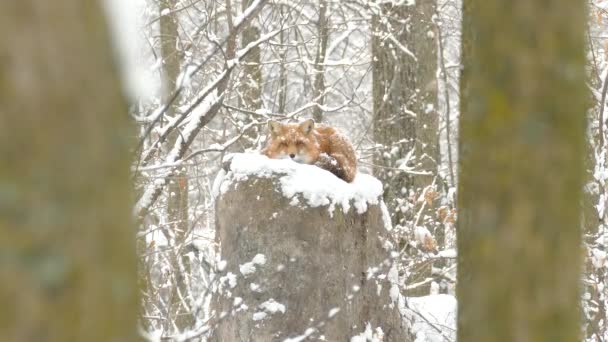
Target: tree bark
x=177 y=190
x=393 y=129
x=68 y=248
x=177 y=202
x=250 y=85
x=405 y=114
x=404 y=98
x=521 y=170
x=313 y=264
x=319 y=73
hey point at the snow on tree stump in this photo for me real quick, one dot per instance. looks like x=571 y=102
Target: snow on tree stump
x=304 y=256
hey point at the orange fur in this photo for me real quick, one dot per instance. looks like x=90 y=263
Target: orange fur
x=306 y=142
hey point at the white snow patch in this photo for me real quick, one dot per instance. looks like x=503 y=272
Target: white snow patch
x=259 y=259
x=237 y=301
x=333 y=312
x=369 y=335
x=448 y=253
x=221 y=265
x=231 y=279
x=393 y=278
x=301 y=338
x=294 y=201
x=316 y=186
x=258 y=316
x=440 y=311
x=421 y=234
x=599 y=258
x=271 y=306
x=386 y=217
x=249 y=267
x=434 y=288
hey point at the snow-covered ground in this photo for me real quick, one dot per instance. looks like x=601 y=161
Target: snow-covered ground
x=433 y=317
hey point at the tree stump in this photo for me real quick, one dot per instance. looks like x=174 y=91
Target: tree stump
x=304 y=256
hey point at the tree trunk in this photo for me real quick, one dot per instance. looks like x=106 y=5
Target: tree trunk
x=423 y=43
x=177 y=190
x=315 y=266
x=404 y=95
x=283 y=90
x=177 y=202
x=405 y=112
x=68 y=248
x=319 y=74
x=394 y=130
x=250 y=85
x=521 y=154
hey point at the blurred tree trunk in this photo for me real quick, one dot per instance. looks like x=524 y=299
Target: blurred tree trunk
x=521 y=154
x=405 y=116
x=177 y=194
x=68 y=246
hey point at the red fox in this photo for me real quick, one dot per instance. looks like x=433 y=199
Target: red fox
x=306 y=143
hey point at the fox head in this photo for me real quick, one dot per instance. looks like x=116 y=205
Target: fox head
x=296 y=141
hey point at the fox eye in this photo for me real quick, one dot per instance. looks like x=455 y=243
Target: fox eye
x=282 y=144
x=300 y=143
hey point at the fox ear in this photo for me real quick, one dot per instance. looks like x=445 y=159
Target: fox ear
x=274 y=127
x=307 y=126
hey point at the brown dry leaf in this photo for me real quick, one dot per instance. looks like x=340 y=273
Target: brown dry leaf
x=451 y=217
x=442 y=213
x=429 y=244
x=428 y=195
x=446 y=215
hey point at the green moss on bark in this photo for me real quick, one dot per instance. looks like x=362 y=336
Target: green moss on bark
x=67 y=250
x=521 y=170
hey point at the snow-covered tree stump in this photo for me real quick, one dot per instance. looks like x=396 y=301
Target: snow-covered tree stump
x=304 y=255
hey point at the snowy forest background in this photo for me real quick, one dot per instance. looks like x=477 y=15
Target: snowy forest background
x=202 y=78
x=386 y=73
